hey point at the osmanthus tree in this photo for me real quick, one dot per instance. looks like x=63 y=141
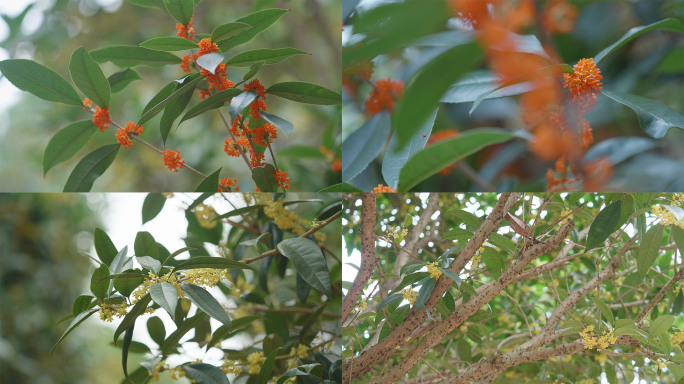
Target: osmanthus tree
x=256 y=292
x=209 y=61
x=486 y=288
x=533 y=71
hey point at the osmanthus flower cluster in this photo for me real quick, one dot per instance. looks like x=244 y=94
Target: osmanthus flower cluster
x=220 y=285
x=249 y=130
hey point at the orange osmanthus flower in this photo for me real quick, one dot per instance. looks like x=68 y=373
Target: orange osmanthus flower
x=173 y=160
x=185 y=31
x=586 y=78
x=282 y=179
x=383 y=188
x=87 y=104
x=123 y=137
x=228 y=184
x=384 y=95
x=559 y=16
x=101 y=118
x=206 y=46
x=258 y=104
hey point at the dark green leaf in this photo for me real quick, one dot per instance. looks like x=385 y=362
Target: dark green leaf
x=104 y=246
x=446 y=152
x=99 y=284
x=426 y=89
x=169 y=44
x=172 y=340
x=89 y=78
x=667 y=24
x=161 y=95
x=212 y=102
x=309 y=262
x=181 y=10
x=661 y=324
x=120 y=80
x=303 y=289
x=253 y=70
x=604 y=225
x=267 y=368
x=424 y=292
x=146 y=245
x=364 y=145
x=264 y=178
x=648 y=249
x=39 y=80
x=66 y=143
x=128 y=320
x=82 y=303
x=149 y=263
x=125 y=285
x=389 y=300
x=156 y=329
x=188 y=87
x=278 y=122
x=152 y=205
x=655 y=118
x=605 y=310
x=203 y=373
x=166 y=295
x=494 y=262
x=210 y=183
x=171 y=113
x=207 y=303
x=305 y=93
x=211 y=262
x=268 y=56
x=72 y=325
x=228 y=30
x=90 y=168
x=128 y=337
x=452 y=275
x=258 y=20
x=130 y=56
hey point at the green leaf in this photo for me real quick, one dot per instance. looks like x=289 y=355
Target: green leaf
x=125 y=285
x=212 y=102
x=267 y=368
x=181 y=10
x=120 y=80
x=605 y=310
x=673 y=62
x=156 y=329
x=90 y=168
x=39 y=80
x=161 y=95
x=633 y=33
x=210 y=183
x=172 y=340
x=240 y=102
x=152 y=205
x=341 y=187
x=253 y=70
x=661 y=324
x=259 y=21
x=396 y=158
x=171 y=44
x=466 y=217
x=305 y=93
x=446 y=152
x=66 y=143
x=678 y=236
x=72 y=325
x=268 y=56
x=89 y=78
x=648 y=249
x=494 y=262
x=128 y=337
x=166 y=295
x=129 y=320
x=279 y=123
x=211 y=262
x=604 y=225
x=131 y=55
x=149 y=263
x=104 y=246
x=655 y=118
x=309 y=262
x=82 y=303
x=452 y=275
x=264 y=178
x=389 y=300
x=424 y=292
x=188 y=87
x=364 y=145
x=203 y=373
x=428 y=86
x=228 y=30
x=146 y=245
x=207 y=303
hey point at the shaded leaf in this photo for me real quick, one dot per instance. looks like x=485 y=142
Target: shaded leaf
x=120 y=80
x=604 y=225
x=66 y=143
x=259 y=21
x=210 y=183
x=90 y=168
x=128 y=320
x=667 y=24
x=228 y=30
x=152 y=205
x=72 y=325
x=364 y=145
x=203 y=373
x=188 y=87
x=309 y=262
x=264 y=178
x=181 y=10
x=648 y=249
x=99 y=284
x=206 y=302
x=655 y=118
x=267 y=56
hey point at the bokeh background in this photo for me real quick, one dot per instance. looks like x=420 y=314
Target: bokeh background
x=48 y=31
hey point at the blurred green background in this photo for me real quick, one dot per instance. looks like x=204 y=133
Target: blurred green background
x=52 y=29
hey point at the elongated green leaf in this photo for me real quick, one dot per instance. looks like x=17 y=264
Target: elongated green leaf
x=673 y=62
x=66 y=143
x=130 y=56
x=341 y=187
x=264 y=178
x=364 y=145
x=104 y=246
x=82 y=303
x=72 y=325
x=428 y=86
x=655 y=118
x=678 y=237
x=161 y=95
x=259 y=21
x=211 y=262
x=633 y=33
x=181 y=10
x=171 y=113
x=240 y=102
x=188 y=87
x=207 y=303
x=648 y=249
x=129 y=320
x=494 y=262
x=210 y=184
x=480 y=85
x=212 y=102
x=166 y=295
x=267 y=368
x=468 y=218
x=305 y=93
x=90 y=168
x=203 y=373
x=99 y=282
x=268 y=56
x=156 y=329
x=120 y=80
x=39 y=80
x=388 y=300
x=128 y=337
x=452 y=275
x=661 y=324
x=279 y=123
x=228 y=30
x=169 y=44
x=309 y=262
x=424 y=292
x=146 y=245
x=604 y=224
x=89 y=78
x=396 y=158
x=172 y=340
x=446 y=152
x=605 y=310
x=152 y=205
x=253 y=70
x=176 y=253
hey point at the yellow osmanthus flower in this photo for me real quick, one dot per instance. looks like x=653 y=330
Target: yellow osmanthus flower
x=661 y=364
x=176 y=373
x=161 y=366
x=284 y=218
x=591 y=340
x=565 y=219
x=678 y=337
x=398 y=234
x=205 y=215
x=231 y=366
x=434 y=271
x=475 y=261
x=240 y=286
x=254 y=362
x=109 y=311
x=362 y=305
x=409 y=294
